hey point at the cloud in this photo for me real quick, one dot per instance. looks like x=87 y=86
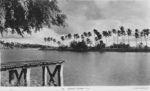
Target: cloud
x=86 y=15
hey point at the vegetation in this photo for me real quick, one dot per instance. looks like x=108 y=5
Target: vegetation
x=24 y=16
x=12 y=45
x=95 y=40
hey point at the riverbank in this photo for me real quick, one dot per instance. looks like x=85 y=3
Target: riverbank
x=103 y=50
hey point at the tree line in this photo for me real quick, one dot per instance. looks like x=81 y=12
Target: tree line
x=12 y=45
x=95 y=39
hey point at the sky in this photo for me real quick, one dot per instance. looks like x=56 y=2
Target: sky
x=86 y=15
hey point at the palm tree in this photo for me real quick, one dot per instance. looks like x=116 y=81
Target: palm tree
x=136 y=35
x=129 y=33
x=45 y=39
x=96 y=39
x=114 y=31
x=48 y=39
x=82 y=37
x=109 y=33
x=51 y=41
x=66 y=39
x=85 y=34
x=118 y=35
x=95 y=33
x=105 y=34
x=58 y=42
x=146 y=34
x=62 y=38
x=122 y=33
x=75 y=36
x=99 y=35
x=69 y=37
x=54 y=41
x=89 y=42
x=141 y=35
x=89 y=34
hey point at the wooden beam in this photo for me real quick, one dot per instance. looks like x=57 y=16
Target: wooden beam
x=44 y=75
x=11 y=76
x=60 y=75
x=27 y=64
x=23 y=71
x=28 y=76
x=52 y=74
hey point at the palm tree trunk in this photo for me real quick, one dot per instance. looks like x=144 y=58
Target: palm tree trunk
x=62 y=43
x=136 y=42
x=128 y=40
x=50 y=43
x=122 y=39
x=106 y=40
x=145 y=41
x=117 y=41
x=113 y=40
x=94 y=41
x=109 y=41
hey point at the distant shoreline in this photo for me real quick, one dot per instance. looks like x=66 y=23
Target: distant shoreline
x=90 y=50
x=102 y=50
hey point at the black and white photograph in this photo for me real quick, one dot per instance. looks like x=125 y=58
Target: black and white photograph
x=75 y=43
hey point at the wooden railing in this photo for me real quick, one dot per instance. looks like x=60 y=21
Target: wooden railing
x=26 y=66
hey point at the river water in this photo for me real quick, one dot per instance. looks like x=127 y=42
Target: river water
x=89 y=68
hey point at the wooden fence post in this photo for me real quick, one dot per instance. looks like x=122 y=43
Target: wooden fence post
x=28 y=76
x=44 y=75
x=11 y=76
x=25 y=71
x=60 y=75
